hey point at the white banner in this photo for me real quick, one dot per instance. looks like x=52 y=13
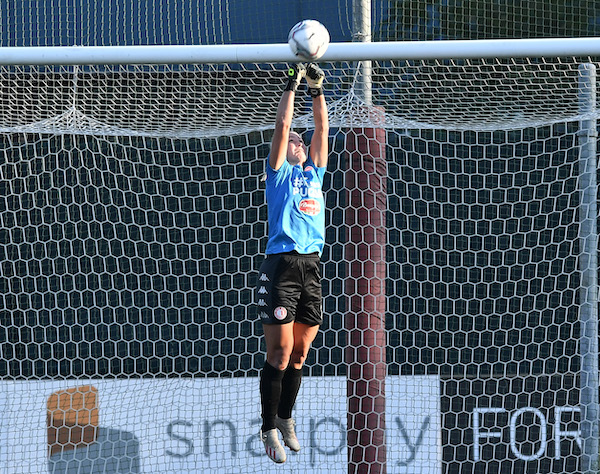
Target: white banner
x=203 y=425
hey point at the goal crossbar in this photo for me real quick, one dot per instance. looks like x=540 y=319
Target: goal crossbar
x=274 y=53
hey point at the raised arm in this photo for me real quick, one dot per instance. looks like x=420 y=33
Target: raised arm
x=319 y=145
x=283 y=120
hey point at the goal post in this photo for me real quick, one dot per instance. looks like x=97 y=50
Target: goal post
x=589 y=271
x=133 y=224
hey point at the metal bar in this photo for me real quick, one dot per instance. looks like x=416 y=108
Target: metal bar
x=588 y=266
x=274 y=53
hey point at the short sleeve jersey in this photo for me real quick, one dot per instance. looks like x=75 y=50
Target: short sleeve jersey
x=296 y=208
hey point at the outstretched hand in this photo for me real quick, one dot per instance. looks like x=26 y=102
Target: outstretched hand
x=315 y=77
x=295 y=73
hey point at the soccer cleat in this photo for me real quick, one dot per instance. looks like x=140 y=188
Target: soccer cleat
x=287 y=428
x=273 y=447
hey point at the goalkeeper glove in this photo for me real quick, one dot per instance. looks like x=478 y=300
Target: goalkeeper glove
x=295 y=74
x=315 y=77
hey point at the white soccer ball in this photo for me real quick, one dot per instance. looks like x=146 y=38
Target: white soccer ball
x=308 y=40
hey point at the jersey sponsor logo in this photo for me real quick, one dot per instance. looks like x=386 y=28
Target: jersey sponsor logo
x=280 y=313
x=310 y=207
x=308 y=168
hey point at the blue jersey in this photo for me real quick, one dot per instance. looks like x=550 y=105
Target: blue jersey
x=296 y=208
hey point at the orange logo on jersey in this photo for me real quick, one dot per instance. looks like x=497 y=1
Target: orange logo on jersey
x=310 y=207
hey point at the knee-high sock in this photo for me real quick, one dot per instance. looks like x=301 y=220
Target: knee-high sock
x=270 y=394
x=290 y=385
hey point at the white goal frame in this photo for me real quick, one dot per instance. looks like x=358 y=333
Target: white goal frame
x=425 y=50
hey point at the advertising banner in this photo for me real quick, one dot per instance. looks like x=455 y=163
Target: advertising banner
x=201 y=425
x=513 y=424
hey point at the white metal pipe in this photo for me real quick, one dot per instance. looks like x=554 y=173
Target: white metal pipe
x=588 y=266
x=275 y=53
x=361 y=33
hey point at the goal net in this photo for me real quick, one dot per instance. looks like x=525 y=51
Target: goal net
x=133 y=224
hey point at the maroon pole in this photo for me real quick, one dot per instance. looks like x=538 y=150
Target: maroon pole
x=366 y=180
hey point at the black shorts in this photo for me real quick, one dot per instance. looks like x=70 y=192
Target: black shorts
x=289 y=289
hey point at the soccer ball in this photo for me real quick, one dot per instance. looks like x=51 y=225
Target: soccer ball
x=308 y=40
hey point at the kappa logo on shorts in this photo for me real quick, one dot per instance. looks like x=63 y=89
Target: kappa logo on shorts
x=261 y=302
x=264 y=277
x=262 y=290
x=280 y=313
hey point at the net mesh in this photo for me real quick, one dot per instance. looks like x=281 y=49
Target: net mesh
x=212 y=101
x=133 y=223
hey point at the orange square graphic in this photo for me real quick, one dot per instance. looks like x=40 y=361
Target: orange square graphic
x=72 y=419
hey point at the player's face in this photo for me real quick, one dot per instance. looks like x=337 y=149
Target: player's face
x=296 y=152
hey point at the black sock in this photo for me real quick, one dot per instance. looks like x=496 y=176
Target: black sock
x=270 y=393
x=290 y=385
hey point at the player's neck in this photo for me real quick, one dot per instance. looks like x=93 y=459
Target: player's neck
x=296 y=162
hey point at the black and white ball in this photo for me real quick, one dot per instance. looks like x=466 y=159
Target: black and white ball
x=308 y=40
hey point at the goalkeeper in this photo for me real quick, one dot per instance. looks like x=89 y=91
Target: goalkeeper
x=288 y=293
